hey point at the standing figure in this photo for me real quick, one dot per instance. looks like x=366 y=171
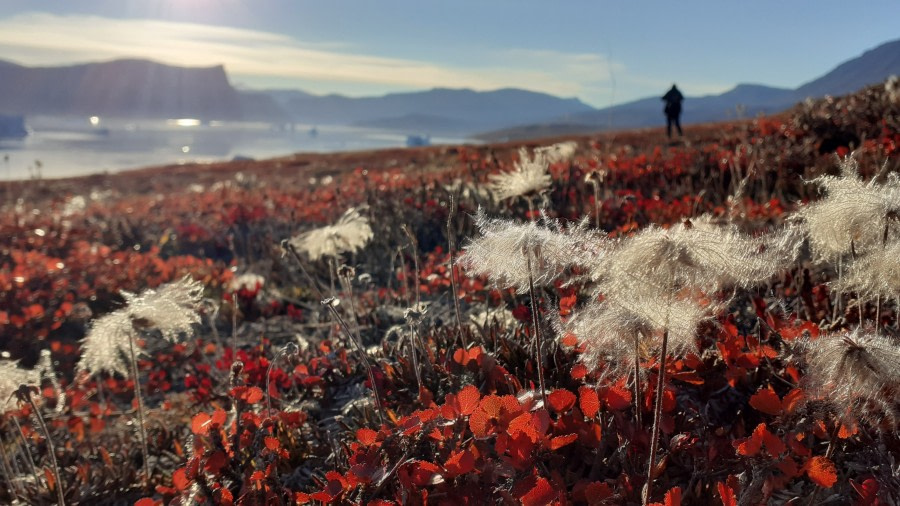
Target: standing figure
x=673 y=99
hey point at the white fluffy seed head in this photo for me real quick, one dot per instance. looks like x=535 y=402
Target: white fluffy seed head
x=170 y=308
x=705 y=257
x=558 y=152
x=529 y=176
x=503 y=252
x=349 y=234
x=874 y=275
x=106 y=344
x=858 y=373
x=11 y=377
x=608 y=330
x=892 y=89
x=852 y=217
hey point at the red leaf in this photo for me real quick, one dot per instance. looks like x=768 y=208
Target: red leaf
x=225 y=497
x=726 y=494
x=752 y=445
x=566 y=304
x=253 y=395
x=219 y=417
x=272 y=443
x=146 y=501
x=673 y=497
x=468 y=399
x=766 y=401
x=597 y=491
x=821 y=471
x=523 y=424
x=200 y=424
x=480 y=424
x=774 y=444
x=868 y=492
x=366 y=437
x=617 y=398
x=179 y=479
x=588 y=401
x=560 y=441
x=460 y=463
x=845 y=432
x=215 y=462
x=792 y=399
x=561 y=400
x=51 y=479
x=579 y=371
x=541 y=495
x=491 y=405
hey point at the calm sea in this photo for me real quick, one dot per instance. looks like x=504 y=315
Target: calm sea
x=75 y=147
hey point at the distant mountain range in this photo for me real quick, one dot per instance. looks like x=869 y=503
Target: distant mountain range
x=143 y=89
x=873 y=66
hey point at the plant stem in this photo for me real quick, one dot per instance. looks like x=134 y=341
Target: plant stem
x=539 y=362
x=451 y=239
x=142 y=431
x=8 y=472
x=234 y=308
x=27 y=450
x=356 y=340
x=50 y=450
x=362 y=353
x=414 y=245
x=638 y=399
x=657 y=415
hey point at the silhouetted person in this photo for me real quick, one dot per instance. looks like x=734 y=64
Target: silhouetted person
x=673 y=99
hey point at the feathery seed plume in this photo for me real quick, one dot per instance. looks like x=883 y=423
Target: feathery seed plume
x=558 y=152
x=876 y=274
x=704 y=256
x=858 y=373
x=608 y=329
x=500 y=253
x=171 y=309
x=529 y=176
x=852 y=217
x=11 y=376
x=349 y=234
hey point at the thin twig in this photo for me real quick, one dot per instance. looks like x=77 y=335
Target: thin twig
x=539 y=362
x=24 y=393
x=142 y=431
x=657 y=415
x=451 y=239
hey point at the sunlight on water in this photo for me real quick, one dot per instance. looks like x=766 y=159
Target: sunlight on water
x=70 y=147
x=184 y=122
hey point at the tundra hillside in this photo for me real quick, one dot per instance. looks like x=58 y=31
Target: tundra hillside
x=608 y=319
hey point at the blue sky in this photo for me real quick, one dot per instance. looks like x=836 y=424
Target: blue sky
x=602 y=52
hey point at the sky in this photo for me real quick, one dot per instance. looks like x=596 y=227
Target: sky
x=603 y=52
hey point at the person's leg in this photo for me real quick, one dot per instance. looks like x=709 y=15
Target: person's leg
x=669 y=126
x=678 y=124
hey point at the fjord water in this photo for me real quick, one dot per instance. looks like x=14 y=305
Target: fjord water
x=62 y=147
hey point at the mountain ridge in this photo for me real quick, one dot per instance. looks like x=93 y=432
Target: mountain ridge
x=743 y=100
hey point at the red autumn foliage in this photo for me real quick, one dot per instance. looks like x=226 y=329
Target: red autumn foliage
x=463 y=423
